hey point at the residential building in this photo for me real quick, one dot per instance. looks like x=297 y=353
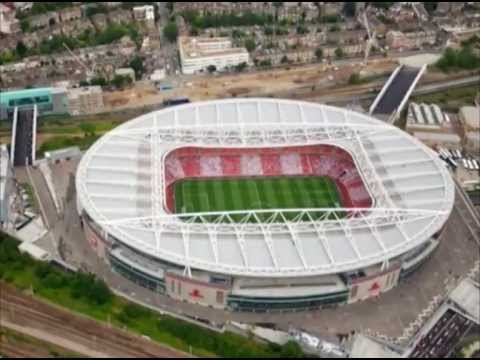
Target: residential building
x=412 y=39
x=197 y=53
x=146 y=12
x=8 y=23
x=44 y=20
x=126 y=72
x=70 y=13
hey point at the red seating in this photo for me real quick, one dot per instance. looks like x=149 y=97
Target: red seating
x=231 y=165
x=306 y=164
x=271 y=165
x=190 y=166
x=311 y=160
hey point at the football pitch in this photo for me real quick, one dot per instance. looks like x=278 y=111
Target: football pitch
x=235 y=194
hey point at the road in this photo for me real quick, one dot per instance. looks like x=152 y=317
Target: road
x=354 y=95
x=23 y=313
x=396 y=91
x=168 y=50
x=23 y=138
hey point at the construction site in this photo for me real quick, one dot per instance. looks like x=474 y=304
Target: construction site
x=276 y=82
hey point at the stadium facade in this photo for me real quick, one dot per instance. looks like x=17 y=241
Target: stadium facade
x=394 y=197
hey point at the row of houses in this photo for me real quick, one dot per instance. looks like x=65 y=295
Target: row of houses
x=46 y=69
x=291 y=10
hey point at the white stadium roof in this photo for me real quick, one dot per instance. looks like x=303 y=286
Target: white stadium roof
x=120 y=186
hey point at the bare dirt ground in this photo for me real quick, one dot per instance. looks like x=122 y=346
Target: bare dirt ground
x=263 y=83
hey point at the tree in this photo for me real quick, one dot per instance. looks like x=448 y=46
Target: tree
x=319 y=53
x=54 y=281
x=194 y=31
x=170 y=31
x=268 y=30
x=285 y=60
x=250 y=45
x=334 y=28
x=464 y=58
x=42 y=270
x=430 y=6
x=354 y=79
x=137 y=65
x=98 y=81
x=87 y=128
x=382 y=4
x=339 y=53
x=291 y=350
x=21 y=49
x=301 y=30
x=265 y=63
x=240 y=67
x=120 y=81
x=25 y=25
x=100 y=294
x=350 y=9
x=211 y=69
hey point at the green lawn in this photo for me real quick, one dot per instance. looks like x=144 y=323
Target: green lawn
x=235 y=194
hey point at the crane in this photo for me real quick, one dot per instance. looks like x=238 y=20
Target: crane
x=372 y=38
x=90 y=72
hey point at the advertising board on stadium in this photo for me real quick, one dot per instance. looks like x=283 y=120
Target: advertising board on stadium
x=194 y=291
x=372 y=286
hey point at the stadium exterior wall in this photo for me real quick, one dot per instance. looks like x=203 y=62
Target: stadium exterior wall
x=203 y=288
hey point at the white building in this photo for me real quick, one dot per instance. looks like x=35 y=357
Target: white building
x=424 y=116
x=6 y=185
x=8 y=23
x=429 y=124
x=146 y=12
x=196 y=54
x=470 y=117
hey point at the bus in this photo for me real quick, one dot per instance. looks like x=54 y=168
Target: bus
x=176 y=101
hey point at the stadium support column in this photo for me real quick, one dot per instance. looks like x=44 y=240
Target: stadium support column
x=14 y=134
x=385 y=265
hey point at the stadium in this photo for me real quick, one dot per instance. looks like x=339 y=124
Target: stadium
x=263 y=204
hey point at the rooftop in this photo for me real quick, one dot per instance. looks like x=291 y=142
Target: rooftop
x=467 y=296
x=471 y=114
x=198 y=47
x=120 y=184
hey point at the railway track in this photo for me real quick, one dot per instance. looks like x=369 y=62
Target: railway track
x=68 y=328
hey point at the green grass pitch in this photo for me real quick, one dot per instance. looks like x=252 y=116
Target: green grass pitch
x=231 y=194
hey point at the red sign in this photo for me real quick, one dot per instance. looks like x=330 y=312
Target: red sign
x=196 y=294
x=374 y=288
